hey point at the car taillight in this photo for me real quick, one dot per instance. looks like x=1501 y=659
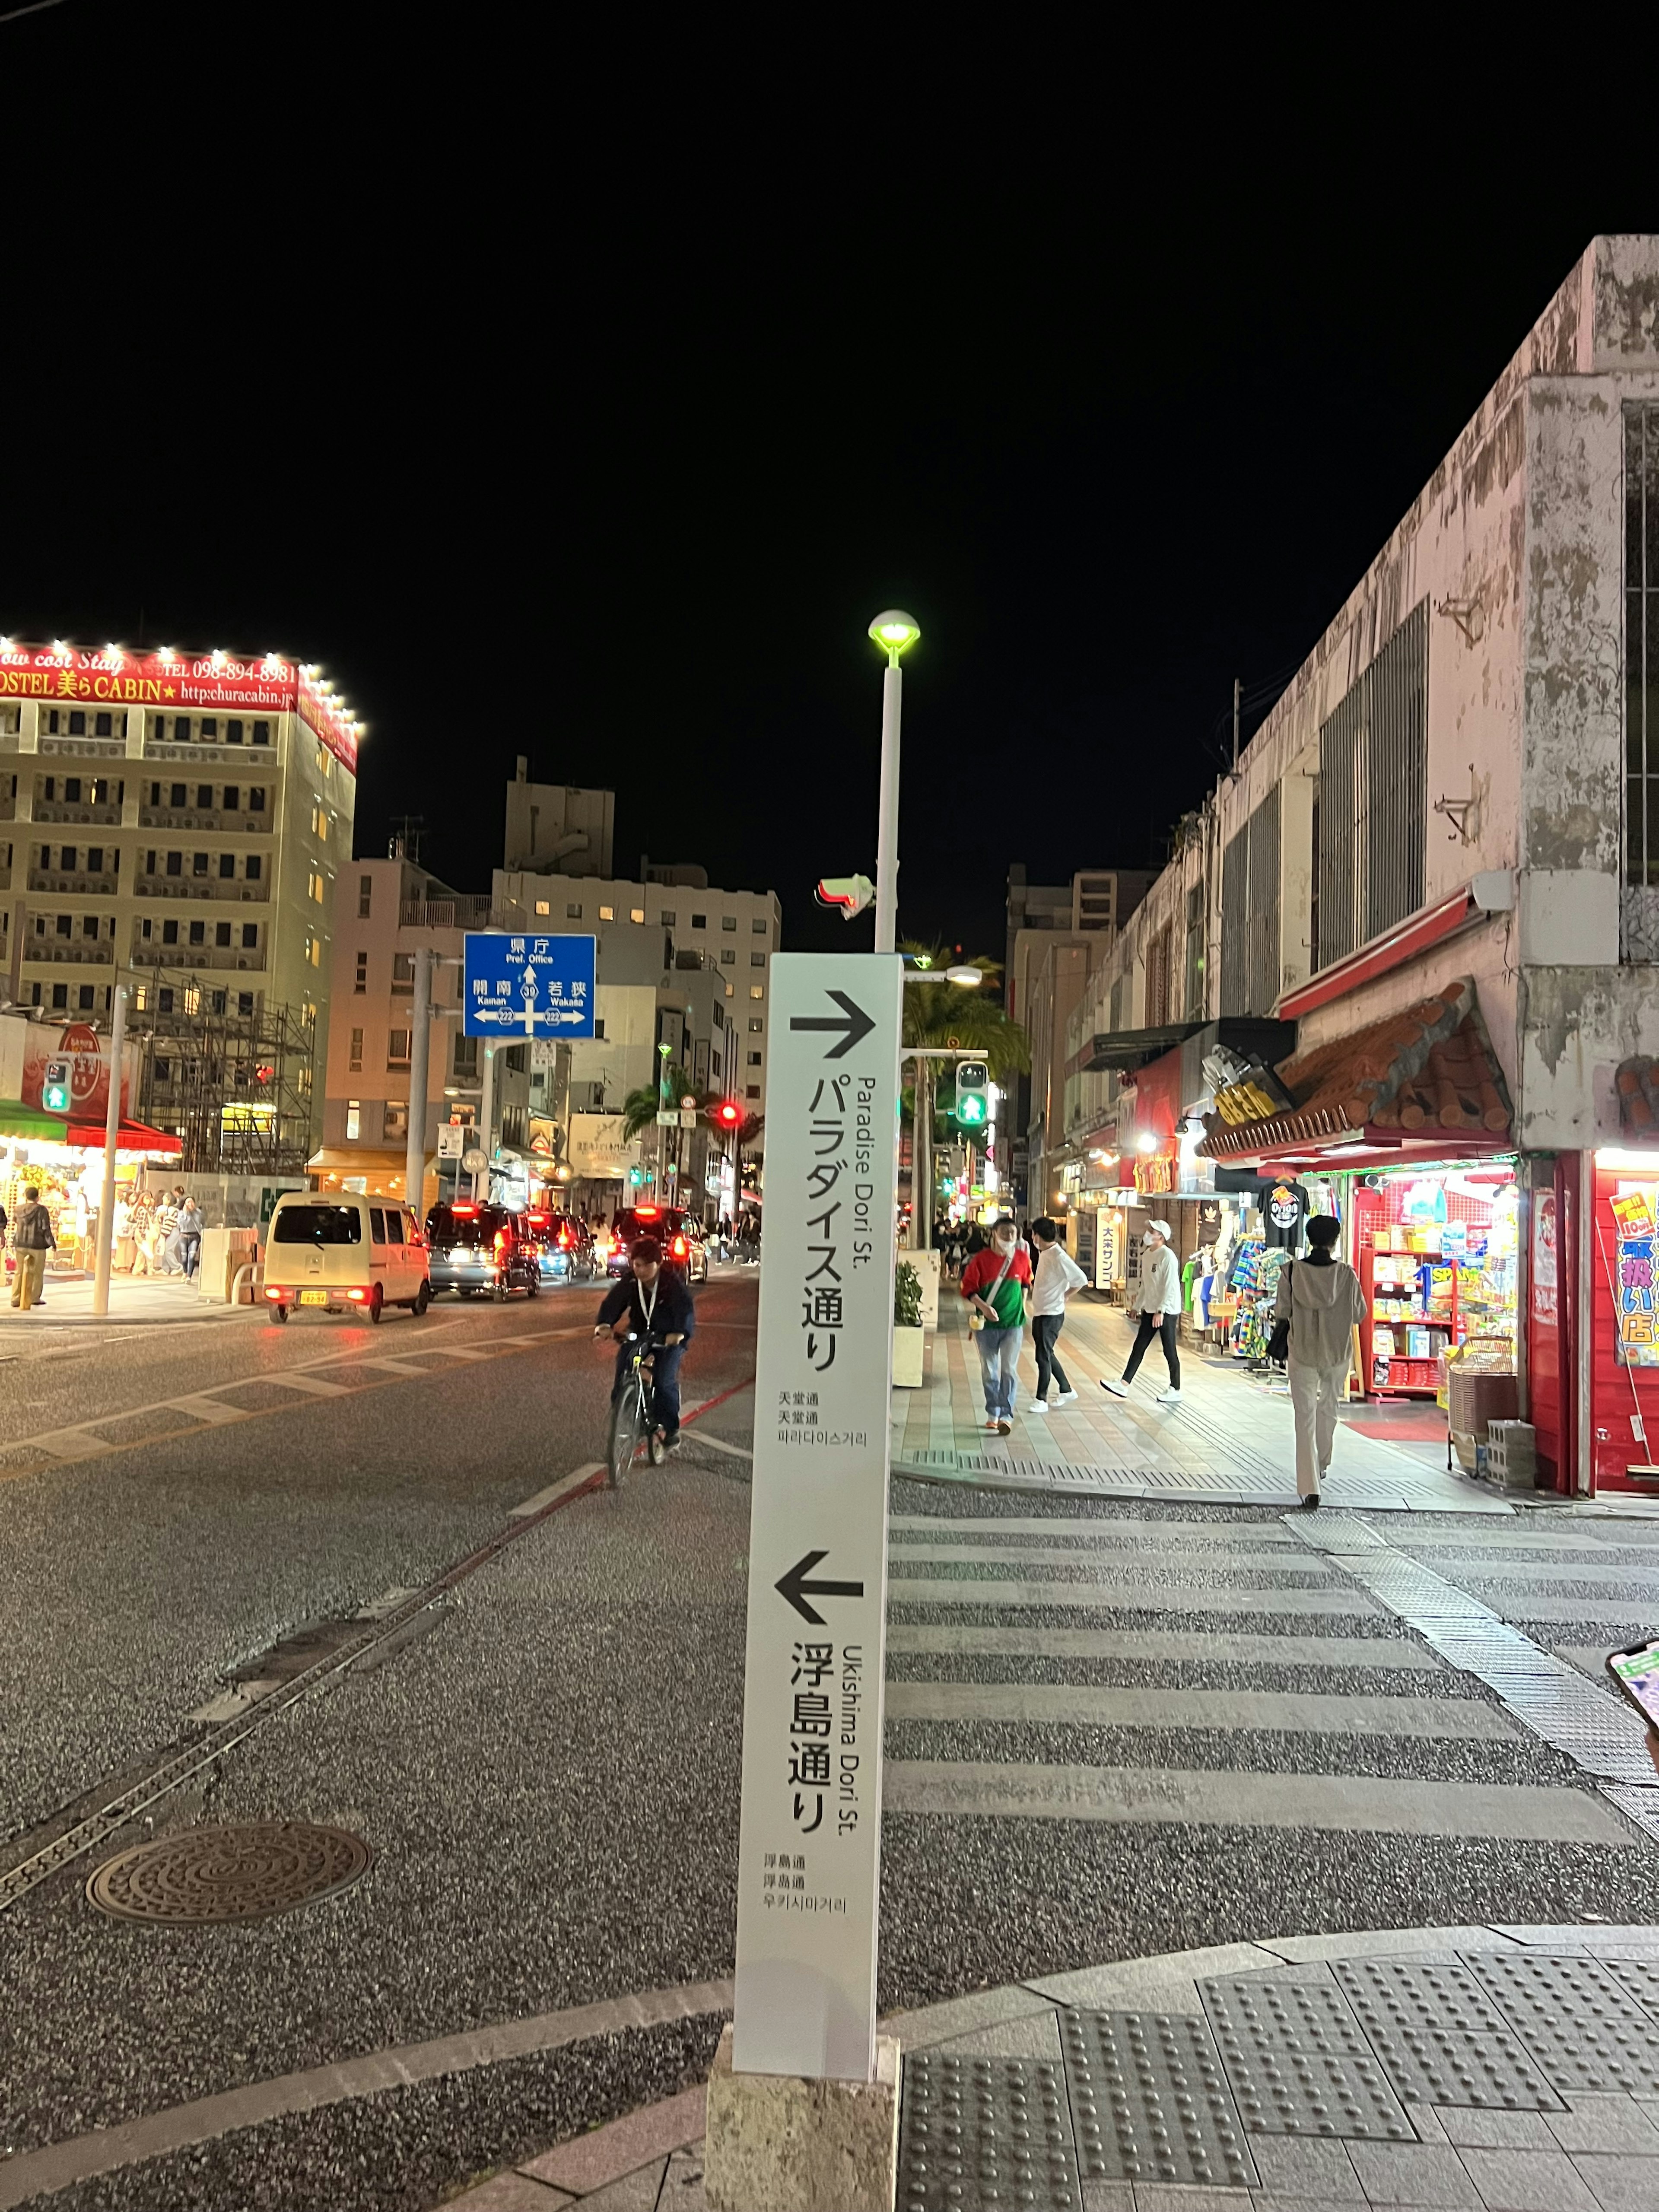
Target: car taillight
x=501 y=1240
x=564 y=1240
x=462 y=1209
x=679 y=1248
x=359 y=1295
x=276 y=1296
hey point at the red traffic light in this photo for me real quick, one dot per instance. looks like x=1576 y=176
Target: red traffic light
x=728 y=1114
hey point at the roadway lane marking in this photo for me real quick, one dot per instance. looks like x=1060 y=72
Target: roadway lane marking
x=1212 y=1536
x=1294 y=1711
x=1349 y=1804
x=556 y=1489
x=206 y=1411
x=1162 y=1647
x=1130 y=1596
x=1308 y=1572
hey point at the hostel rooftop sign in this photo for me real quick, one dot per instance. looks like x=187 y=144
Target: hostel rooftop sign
x=168 y=678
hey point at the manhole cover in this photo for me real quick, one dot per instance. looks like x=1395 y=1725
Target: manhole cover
x=217 y=1872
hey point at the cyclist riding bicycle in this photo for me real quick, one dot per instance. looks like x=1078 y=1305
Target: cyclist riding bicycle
x=651 y=1301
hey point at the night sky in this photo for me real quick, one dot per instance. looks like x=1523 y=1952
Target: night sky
x=558 y=412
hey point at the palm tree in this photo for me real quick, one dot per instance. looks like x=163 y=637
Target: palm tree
x=942 y=1014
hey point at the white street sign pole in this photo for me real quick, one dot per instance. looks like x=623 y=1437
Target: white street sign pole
x=118 y=1030
x=892 y=698
x=809 y=1854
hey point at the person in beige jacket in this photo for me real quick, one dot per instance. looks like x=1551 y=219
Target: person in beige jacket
x=1322 y=1301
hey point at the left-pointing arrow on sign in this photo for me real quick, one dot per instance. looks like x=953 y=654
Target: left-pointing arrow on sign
x=795 y=1586
x=852 y=1024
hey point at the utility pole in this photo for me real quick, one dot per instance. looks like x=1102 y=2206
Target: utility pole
x=419 y=1062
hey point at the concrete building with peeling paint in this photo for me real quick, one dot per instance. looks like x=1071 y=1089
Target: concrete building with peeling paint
x=1418 y=934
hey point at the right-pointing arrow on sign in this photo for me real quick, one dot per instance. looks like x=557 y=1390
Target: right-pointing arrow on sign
x=852 y=1024
x=795 y=1586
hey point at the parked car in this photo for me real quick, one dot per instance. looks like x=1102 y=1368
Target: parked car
x=348 y=1254
x=564 y=1246
x=680 y=1234
x=480 y=1250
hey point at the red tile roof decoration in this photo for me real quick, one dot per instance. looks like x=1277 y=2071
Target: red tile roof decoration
x=1638 y=1097
x=1429 y=1069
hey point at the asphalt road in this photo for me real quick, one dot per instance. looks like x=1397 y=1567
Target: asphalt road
x=549 y=1777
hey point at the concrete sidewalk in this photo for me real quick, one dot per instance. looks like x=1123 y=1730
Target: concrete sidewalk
x=1504 y=2068
x=1228 y=1441
x=142 y=1298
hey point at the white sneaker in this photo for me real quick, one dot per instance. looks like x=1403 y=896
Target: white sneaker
x=1169 y=1397
x=1037 y=1406
x=1117 y=1389
x=1066 y=1398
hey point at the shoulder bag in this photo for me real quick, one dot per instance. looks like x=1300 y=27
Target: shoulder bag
x=975 y=1319
x=1279 y=1344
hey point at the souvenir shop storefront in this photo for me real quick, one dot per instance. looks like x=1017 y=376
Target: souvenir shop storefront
x=63 y=1160
x=1403 y=1132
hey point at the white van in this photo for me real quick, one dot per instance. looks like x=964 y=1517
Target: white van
x=343 y=1254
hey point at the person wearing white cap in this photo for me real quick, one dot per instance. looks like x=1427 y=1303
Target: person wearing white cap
x=1160 y=1312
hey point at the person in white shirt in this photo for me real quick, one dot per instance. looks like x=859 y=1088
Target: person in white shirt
x=1160 y=1313
x=1058 y=1275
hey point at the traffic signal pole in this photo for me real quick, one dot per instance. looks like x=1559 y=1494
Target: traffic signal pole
x=112 y=1136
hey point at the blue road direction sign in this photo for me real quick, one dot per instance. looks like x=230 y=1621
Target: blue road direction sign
x=533 y=986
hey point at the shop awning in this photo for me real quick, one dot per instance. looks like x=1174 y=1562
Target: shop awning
x=1125 y=1051
x=1424 y=1082
x=356 y=1160
x=17 y=1119
x=130 y=1138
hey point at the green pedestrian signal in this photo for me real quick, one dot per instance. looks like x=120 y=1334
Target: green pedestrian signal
x=55 y=1089
x=637 y=1177
x=972 y=1107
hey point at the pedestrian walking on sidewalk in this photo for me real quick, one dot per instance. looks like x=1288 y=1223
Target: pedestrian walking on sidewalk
x=189 y=1233
x=1058 y=1276
x=32 y=1238
x=1160 y=1314
x=994 y=1283
x=1321 y=1298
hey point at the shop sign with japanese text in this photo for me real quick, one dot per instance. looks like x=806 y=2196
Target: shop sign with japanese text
x=809 y=1855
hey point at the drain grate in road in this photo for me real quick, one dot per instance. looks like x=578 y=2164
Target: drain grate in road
x=215 y=1874
x=1151 y=2103
x=982 y=2133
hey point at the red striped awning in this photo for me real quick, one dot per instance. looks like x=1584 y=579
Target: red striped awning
x=129 y=1136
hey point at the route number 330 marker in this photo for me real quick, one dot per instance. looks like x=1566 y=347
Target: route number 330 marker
x=810 y=1850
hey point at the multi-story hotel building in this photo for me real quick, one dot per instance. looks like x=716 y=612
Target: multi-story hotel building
x=173 y=821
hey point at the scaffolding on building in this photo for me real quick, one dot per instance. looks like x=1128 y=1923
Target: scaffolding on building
x=235 y=1088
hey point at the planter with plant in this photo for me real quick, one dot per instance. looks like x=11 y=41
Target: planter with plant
x=908 y=1333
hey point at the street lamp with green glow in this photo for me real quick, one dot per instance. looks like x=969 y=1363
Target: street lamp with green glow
x=893 y=631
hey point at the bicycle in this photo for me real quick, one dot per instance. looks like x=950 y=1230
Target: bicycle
x=633 y=1414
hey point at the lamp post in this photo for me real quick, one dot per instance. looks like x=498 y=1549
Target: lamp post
x=892 y=632
x=118 y=1030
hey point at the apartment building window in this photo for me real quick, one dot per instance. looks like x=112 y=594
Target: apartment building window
x=396 y=1117
x=752 y=1091
x=85 y=997
x=209 y=727
x=356 y=1059
x=169 y=932
x=222 y=933
x=313 y=950
x=757 y=1022
x=542 y=907
x=757 y=990
x=607 y=913
x=175 y=864
x=198 y=864
x=354 y=1120
x=757 y=960
x=256 y=799
x=1373 y=797
x=754 y=1060
x=760 y=926
x=361 y=983
x=233 y=798
x=250 y=934
x=198 y=932
x=728 y=921
x=88 y=925
x=227 y=866
x=728 y=958
x=667 y=921
x=574 y=912
x=397 y=1047
x=205 y=794
x=233 y=732
x=245 y=1002
x=103 y=727
x=466 y=1057
x=262 y=734
x=77 y=728
x=699 y=922
x=598 y=1029
x=255 y=868
x=365 y=897
x=60 y=995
